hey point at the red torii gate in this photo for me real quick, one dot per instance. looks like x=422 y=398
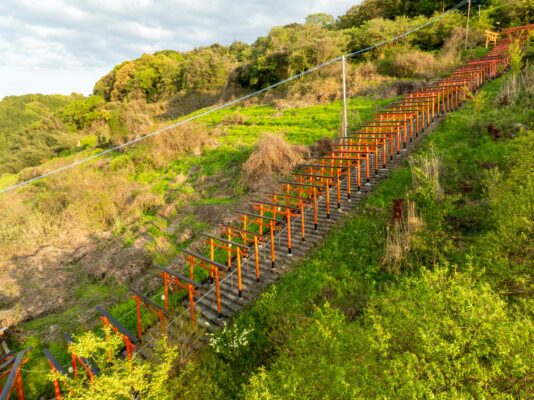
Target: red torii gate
x=257 y=238
x=363 y=149
x=140 y=299
x=338 y=170
x=261 y=221
x=301 y=188
x=172 y=279
x=213 y=269
x=56 y=367
x=127 y=337
x=302 y=201
x=323 y=180
x=274 y=209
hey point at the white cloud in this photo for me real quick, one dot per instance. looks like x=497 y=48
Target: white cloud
x=80 y=37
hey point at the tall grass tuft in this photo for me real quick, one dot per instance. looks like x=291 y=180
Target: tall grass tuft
x=400 y=238
x=271 y=156
x=426 y=173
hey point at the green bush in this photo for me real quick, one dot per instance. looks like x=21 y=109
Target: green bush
x=389 y=9
x=287 y=51
x=81 y=113
x=158 y=76
x=440 y=334
x=120 y=162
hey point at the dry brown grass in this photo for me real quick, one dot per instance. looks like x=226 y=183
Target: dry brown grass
x=400 y=237
x=405 y=62
x=362 y=79
x=185 y=139
x=272 y=156
x=414 y=63
x=455 y=43
x=91 y=197
x=519 y=88
x=234 y=118
x=51 y=224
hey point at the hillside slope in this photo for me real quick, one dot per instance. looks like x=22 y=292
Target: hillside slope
x=448 y=314
x=94 y=232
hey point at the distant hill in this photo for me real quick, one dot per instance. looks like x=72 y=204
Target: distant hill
x=31 y=131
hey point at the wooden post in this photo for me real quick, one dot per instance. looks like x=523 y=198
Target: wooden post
x=257 y=258
x=239 y=283
x=138 y=312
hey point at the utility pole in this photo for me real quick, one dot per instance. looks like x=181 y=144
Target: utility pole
x=344 y=77
x=467 y=23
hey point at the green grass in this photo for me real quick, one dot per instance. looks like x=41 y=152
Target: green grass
x=8 y=180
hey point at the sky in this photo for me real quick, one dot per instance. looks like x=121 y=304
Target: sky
x=62 y=46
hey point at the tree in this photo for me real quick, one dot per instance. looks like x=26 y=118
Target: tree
x=81 y=113
x=289 y=50
x=511 y=12
x=321 y=19
x=390 y=9
x=206 y=69
x=361 y=13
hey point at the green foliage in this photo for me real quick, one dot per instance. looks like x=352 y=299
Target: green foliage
x=515 y=53
x=81 y=113
x=478 y=103
x=435 y=335
x=30 y=132
x=389 y=9
x=511 y=12
x=231 y=342
x=379 y=29
x=321 y=19
x=120 y=379
x=330 y=330
x=163 y=74
x=119 y=162
x=206 y=69
x=287 y=51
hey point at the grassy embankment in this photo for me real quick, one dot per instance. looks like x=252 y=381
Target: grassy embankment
x=452 y=318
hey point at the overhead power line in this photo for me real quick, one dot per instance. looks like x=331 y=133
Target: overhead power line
x=230 y=103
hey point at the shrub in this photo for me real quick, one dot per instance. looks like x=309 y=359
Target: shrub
x=163 y=149
x=519 y=89
x=81 y=113
x=120 y=162
x=405 y=62
x=437 y=335
x=287 y=51
x=120 y=378
x=271 y=156
x=516 y=57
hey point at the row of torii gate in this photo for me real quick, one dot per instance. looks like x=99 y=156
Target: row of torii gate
x=520 y=33
x=353 y=160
